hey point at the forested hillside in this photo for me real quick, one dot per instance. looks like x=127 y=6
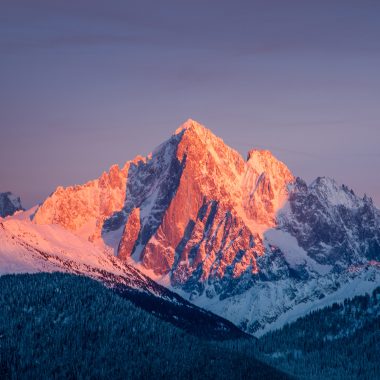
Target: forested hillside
x=338 y=342
x=65 y=326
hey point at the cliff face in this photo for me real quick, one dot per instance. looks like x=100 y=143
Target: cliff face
x=201 y=208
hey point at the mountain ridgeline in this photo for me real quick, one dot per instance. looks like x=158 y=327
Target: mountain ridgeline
x=244 y=239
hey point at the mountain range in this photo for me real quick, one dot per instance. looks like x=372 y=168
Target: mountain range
x=197 y=224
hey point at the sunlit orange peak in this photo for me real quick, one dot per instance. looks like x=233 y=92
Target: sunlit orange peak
x=191 y=124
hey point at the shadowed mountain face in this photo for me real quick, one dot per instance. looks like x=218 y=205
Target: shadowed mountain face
x=9 y=204
x=332 y=224
x=243 y=238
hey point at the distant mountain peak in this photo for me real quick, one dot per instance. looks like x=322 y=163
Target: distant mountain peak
x=9 y=204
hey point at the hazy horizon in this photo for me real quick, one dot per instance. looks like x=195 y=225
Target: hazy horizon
x=84 y=87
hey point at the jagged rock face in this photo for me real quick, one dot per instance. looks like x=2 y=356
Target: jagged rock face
x=244 y=239
x=196 y=198
x=265 y=186
x=130 y=235
x=193 y=191
x=332 y=224
x=9 y=204
x=193 y=209
x=83 y=208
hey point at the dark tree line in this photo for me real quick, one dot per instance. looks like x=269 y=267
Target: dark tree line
x=338 y=342
x=55 y=326
x=60 y=326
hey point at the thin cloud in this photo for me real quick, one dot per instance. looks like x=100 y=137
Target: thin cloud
x=85 y=40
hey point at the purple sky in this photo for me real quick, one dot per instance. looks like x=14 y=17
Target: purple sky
x=85 y=84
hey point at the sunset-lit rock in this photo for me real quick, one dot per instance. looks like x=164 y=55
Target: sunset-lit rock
x=193 y=203
x=83 y=208
x=242 y=238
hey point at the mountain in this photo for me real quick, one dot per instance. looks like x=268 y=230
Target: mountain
x=9 y=204
x=244 y=239
x=63 y=326
x=27 y=247
x=84 y=209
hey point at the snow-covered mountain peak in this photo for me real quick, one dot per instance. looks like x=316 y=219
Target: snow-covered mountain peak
x=9 y=204
x=231 y=234
x=83 y=208
x=265 y=186
x=263 y=161
x=328 y=190
x=193 y=133
x=191 y=124
x=254 y=153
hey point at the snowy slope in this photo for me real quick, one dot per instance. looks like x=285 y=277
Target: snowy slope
x=29 y=247
x=26 y=247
